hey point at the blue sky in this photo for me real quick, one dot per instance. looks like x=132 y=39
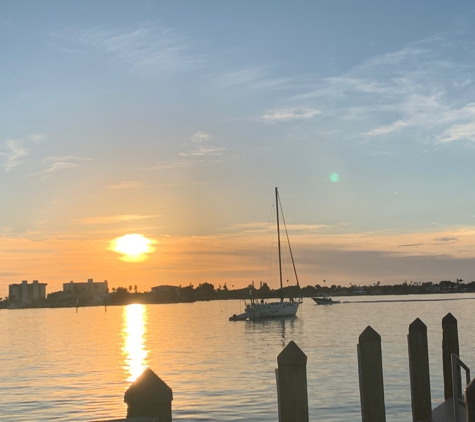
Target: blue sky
x=177 y=119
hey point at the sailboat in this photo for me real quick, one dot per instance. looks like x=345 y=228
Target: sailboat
x=256 y=309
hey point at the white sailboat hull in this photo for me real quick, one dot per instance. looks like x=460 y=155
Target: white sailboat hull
x=257 y=309
x=272 y=309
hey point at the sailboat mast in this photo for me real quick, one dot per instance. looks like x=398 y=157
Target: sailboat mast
x=278 y=242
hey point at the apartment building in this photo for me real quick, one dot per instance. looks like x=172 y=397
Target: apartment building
x=27 y=292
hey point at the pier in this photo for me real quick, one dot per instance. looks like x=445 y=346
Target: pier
x=149 y=399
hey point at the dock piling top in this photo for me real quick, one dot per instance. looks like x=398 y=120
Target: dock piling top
x=449 y=319
x=450 y=344
x=149 y=396
x=291 y=377
x=419 y=371
x=370 y=370
x=417 y=325
x=369 y=335
x=148 y=384
x=292 y=355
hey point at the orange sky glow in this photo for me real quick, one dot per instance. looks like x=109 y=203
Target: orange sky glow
x=177 y=125
x=236 y=257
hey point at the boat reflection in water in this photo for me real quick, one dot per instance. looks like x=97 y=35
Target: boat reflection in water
x=133 y=332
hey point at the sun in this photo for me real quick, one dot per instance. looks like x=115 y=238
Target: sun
x=133 y=247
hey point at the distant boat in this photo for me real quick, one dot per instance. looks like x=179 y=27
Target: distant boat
x=256 y=309
x=325 y=300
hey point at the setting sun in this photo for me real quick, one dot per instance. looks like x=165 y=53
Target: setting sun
x=133 y=247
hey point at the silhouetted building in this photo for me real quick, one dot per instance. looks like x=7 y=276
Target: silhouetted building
x=89 y=288
x=27 y=293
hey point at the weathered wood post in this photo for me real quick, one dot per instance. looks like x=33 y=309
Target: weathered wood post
x=470 y=402
x=419 y=371
x=149 y=396
x=370 y=369
x=450 y=344
x=291 y=376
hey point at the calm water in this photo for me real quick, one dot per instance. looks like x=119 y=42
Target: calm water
x=59 y=365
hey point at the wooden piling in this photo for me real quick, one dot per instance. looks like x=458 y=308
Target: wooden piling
x=291 y=376
x=370 y=369
x=470 y=402
x=149 y=396
x=450 y=344
x=419 y=371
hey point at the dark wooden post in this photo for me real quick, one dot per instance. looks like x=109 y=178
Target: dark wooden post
x=450 y=344
x=149 y=396
x=419 y=371
x=370 y=369
x=470 y=401
x=291 y=376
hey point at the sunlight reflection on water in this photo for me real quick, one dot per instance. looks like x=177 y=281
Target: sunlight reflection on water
x=57 y=365
x=134 y=330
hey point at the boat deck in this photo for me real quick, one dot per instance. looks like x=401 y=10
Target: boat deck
x=445 y=412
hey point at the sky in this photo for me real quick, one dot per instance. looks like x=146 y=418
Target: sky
x=177 y=119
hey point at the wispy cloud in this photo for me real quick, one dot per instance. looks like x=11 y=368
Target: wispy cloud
x=424 y=91
x=12 y=154
x=13 y=151
x=110 y=219
x=258 y=226
x=435 y=242
x=164 y=165
x=199 y=137
x=146 y=48
x=383 y=130
x=202 y=151
x=36 y=138
x=56 y=164
x=127 y=185
x=420 y=87
x=198 y=149
x=447 y=239
x=288 y=114
x=463 y=131
x=251 y=78
x=380 y=153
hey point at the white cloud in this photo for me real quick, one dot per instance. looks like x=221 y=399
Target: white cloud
x=289 y=114
x=12 y=152
x=55 y=164
x=380 y=153
x=383 y=130
x=198 y=149
x=145 y=48
x=37 y=138
x=201 y=151
x=199 y=137
x=110 y=219
x=164 y=165
x=465 y=131
x=421 y=90
x=251 y=77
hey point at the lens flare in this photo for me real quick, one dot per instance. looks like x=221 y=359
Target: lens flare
x=334 y=177
x=133 y=247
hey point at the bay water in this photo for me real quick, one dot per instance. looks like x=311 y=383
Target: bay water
x=56 y=364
